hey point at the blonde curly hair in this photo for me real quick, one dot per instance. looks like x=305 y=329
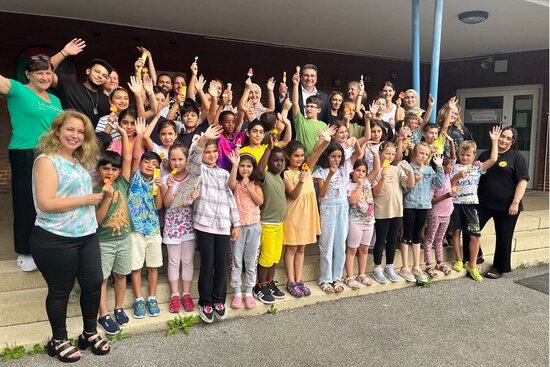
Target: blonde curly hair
x=87 y=153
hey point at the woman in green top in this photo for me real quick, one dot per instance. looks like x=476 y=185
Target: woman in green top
x=31 y=110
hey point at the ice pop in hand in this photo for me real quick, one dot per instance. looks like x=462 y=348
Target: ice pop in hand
x=401 y=95
x=144 y=56
x=297 y=70
x=284 y=77
x=386 y=163
x=229 y=85
x=238 y=143
x=174 y=171
x=162 y=155
x=305 y=167
x=106 y=184
x=250 y=73
x=156 y=173
x=196 y=58
x=113 y=108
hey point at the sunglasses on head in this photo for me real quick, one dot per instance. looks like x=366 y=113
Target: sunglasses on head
x=40 y=57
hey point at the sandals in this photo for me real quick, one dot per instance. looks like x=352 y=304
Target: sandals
x=431 y=271
x=443 y=268
x=338 y=286
x=64 y=350
x=95 y=342
x=326 y=287
x=352 y=283
x=365 y=279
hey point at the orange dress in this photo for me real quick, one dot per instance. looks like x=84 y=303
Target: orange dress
x=301 y=225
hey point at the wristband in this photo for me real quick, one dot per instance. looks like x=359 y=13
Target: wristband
x=62 y=54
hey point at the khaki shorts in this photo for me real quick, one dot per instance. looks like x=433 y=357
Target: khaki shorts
x=146 y=249
x=116 y=256
x=271 y=244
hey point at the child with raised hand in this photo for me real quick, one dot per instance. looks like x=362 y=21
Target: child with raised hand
x=115 y=227
x=361 y=219
x=167 y=134
x=144 y=204
x=353 y=147
x=306 y=126
x=331 y=178
x=215 y=220
x=388 y=210
x=301 y=223
x=465 y=178
x=272 y=213
x=439 y=217
x=127 y=121
x=416 y=203
x=178 y=193
x=248 y=196
x=119 y=101
x=256 y=133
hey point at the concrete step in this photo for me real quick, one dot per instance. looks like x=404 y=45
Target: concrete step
x=30 y=333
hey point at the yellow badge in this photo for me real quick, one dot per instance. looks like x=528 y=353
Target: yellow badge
x=502 y=164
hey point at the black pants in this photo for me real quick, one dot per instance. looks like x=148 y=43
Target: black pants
x=61 y=260
x=413 y=222
x=214 y=251
x=387 y=232
x=24 y=214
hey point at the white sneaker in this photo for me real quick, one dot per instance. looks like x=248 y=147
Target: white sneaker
x=26 y=263
x=406 y=273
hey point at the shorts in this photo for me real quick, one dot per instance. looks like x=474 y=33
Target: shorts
x=146 y=249
x=359 y=234
x=271 y=244
x=465 y=217
x=116 y=256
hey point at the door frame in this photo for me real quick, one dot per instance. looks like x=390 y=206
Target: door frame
x=508 y=92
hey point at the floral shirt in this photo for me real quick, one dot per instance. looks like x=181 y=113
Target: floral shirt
x=362 y=211
x=141 y=202
x=178 y=221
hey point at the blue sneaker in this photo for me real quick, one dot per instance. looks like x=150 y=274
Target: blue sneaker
x=153 y=307
x=390 y=274
x=378 y=275
x=108 y=325
x=121 y=317
x=139 y=309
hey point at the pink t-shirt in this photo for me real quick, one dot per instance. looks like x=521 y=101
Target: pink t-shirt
x=249 y=212
x=445 y=207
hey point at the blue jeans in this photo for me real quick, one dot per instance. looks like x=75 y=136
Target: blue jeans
x=332 y=242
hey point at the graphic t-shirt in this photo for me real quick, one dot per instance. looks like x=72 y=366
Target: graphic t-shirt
x=117 y=223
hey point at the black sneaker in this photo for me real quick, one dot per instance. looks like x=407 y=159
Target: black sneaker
x=108 y=325
x=275 y=291
x=219 y=311
x=263 y=294
x=121 y=317
x=206 y=313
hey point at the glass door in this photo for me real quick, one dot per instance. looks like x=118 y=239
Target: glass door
x=516 y=106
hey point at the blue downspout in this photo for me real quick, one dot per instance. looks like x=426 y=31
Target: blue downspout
x=416 y=45
x=436 y=50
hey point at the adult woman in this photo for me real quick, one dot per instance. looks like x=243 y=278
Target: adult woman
x=500 y=192
x=335 y=99
x=63 y=242
x=457 y=131
x=31 y=109
x=391 y=113
x=411 y=103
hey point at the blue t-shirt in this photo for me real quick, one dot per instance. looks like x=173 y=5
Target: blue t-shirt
x=143 y=209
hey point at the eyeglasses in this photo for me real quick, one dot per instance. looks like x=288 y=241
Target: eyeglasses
x=40 y=57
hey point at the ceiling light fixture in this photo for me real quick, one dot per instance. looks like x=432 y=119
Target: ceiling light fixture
x=473 y=17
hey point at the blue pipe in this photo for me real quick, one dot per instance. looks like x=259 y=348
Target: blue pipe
x=416 y=45
x=436 y=50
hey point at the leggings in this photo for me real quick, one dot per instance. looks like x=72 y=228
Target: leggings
x=436 y=228
x=182 y=253
x=413 y=221
x=24 y=214
x=214 y=250
x=61 y=260
x=387 y=232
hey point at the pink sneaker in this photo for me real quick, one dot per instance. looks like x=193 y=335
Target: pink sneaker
x=237 y=302
x=174 y=306
x=249 y=302
x=187 y=303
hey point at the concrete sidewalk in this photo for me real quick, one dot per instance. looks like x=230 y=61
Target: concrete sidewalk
x=452 y=323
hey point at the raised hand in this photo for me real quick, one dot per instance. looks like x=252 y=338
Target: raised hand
x=135 y=85
x=213 y=89
x=227 y=98
x=431 y=100
x=438 y=160
x=140 y=126
x=74 y=47
x=213 y=132
x=495 y=133
x=148 y=84
x=283 y=89
x=199 y=83
x=296 y=79
x=373 y=108
x=452 y=103
x=271 y=84
x=287 y=104
x=194 y=69
x=234 y=157
x=143 y=50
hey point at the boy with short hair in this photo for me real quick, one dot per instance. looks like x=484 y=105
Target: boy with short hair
x=146 y=238
x=306 y=126
x=115 y=227
x=272 y=213
x=190 y=119
x=464 y=182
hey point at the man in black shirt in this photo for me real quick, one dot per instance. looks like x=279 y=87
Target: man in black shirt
x=84 y=97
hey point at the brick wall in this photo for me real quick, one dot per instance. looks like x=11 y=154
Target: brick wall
x=230 y=61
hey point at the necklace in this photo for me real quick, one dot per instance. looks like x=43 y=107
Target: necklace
x=92 y=100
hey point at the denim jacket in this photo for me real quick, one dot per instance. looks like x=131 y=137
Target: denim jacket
x=420 y=196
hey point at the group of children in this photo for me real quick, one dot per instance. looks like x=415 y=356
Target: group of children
x=240 y=193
